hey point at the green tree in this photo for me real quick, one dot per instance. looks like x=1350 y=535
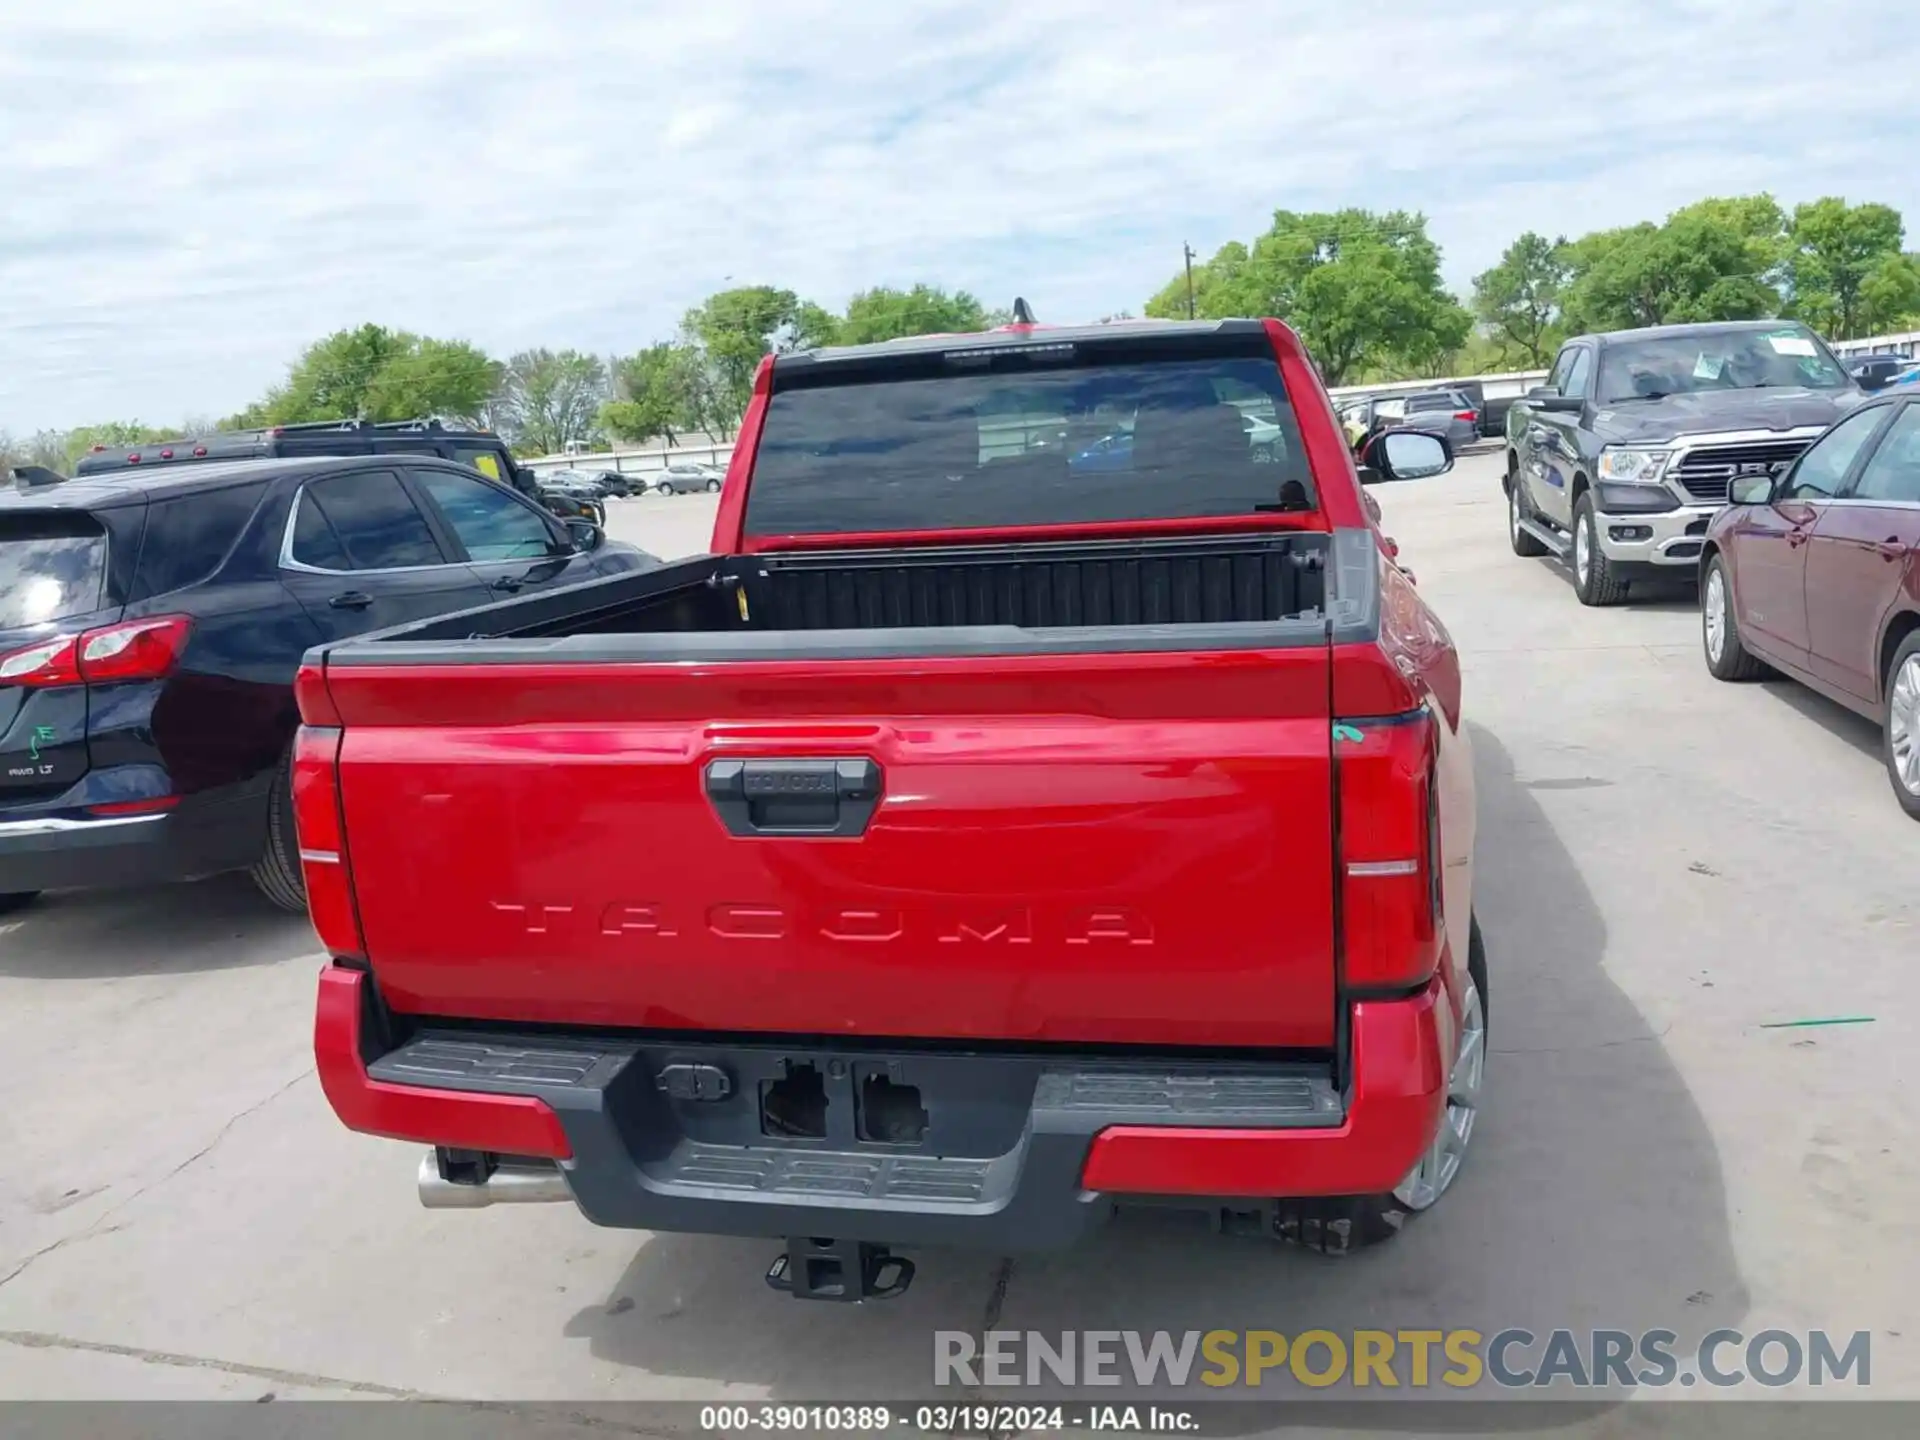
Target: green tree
x=886 y=314
x=1717 y=259
x=373 y=373
x=1845 y=270
x=1360 y=288
x=1519 y=299
x=1890 y=295
x=551 y=399
x=449 y=378
x=655 y=394
x=733 y=331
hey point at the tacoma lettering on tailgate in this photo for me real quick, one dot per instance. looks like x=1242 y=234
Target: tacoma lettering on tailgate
x=861 y=925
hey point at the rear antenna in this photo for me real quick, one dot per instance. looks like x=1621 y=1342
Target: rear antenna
x=1023 y=313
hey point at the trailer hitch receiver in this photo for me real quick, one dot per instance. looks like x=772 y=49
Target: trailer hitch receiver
x=846 y=1270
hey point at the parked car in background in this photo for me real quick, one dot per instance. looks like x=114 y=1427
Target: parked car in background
x=1813 y=573
x=1620 y=461
x=601 y=484
x=973 y=907
x=684 y=477
x=572 y=496
x=151 y=621
x=1874 y=372
x=1362 y=419
x=1443 y=412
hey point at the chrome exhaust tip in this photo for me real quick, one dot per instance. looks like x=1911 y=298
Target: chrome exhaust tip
x=513 y=1182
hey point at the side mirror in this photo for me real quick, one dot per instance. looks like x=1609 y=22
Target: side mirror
x=1541 y=392
x=587 y=536
x=1409 y=455
x=1751 y=490
x=1554 y=404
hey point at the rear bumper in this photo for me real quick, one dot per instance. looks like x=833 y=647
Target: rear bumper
x=205 y=835
x=1020 y=1152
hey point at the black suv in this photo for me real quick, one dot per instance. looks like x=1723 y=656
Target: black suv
x=151 y=624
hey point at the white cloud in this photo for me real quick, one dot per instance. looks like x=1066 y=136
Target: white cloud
x=193 y=190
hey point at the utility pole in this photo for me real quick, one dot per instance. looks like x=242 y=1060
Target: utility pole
x=1187 y=250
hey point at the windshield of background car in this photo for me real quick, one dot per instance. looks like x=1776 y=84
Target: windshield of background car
x=52 y=567
x=1012 y=440
x=1435 y=401
x=1790 y=356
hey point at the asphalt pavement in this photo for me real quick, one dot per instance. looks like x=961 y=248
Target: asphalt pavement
x=1666 y=866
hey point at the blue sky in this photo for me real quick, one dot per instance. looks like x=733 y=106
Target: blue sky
x=191 y=191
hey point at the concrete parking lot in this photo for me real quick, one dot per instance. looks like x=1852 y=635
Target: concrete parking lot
x=1667 y=865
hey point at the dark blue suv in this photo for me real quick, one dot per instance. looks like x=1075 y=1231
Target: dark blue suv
x=151 y=623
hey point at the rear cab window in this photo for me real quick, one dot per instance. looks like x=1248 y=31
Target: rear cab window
x=1034 y=436
x=53 y=567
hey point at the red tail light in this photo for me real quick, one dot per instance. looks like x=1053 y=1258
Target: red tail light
x=323 y=843
x=50 y=662
x=135 y=650
x=1467 y=415
x=1389 y=852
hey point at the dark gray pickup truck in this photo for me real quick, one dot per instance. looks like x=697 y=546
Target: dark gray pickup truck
x=1618 y=462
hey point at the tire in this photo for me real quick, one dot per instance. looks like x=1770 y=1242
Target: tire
x=1523 y=543
x=17 y=900
x=712 y=486
x=1900 y=741
x=1599 y=584
x=1727 y=658
x=277 y=871
x=1342 y=1224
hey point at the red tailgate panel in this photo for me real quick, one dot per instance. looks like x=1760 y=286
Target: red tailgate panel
x=1153 y=868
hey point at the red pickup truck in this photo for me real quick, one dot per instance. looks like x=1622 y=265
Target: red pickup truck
x=1046 y=796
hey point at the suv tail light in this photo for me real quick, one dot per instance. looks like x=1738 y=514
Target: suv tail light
x=323 y=841
x=135 y=650
x=1468 y=415
x=1390 y=865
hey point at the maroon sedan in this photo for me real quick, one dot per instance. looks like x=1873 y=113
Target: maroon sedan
x=1813 y=573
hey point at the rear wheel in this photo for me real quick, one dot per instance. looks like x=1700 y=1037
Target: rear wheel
x=1903 y=724
x=1727 y=658
x=17 y=900
x=277 y=871
x=1342 y=1224
x=712 y=485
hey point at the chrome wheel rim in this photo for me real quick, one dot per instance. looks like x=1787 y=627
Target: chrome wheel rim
x=1435 y=1172
x=1714 y=612
x=1583 y=549
x=1903 y=724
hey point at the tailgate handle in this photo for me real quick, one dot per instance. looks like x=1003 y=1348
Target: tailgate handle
x=828 y=797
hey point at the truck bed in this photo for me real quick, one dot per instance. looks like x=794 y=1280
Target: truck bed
x=1268 y=579
x=1072 y=792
